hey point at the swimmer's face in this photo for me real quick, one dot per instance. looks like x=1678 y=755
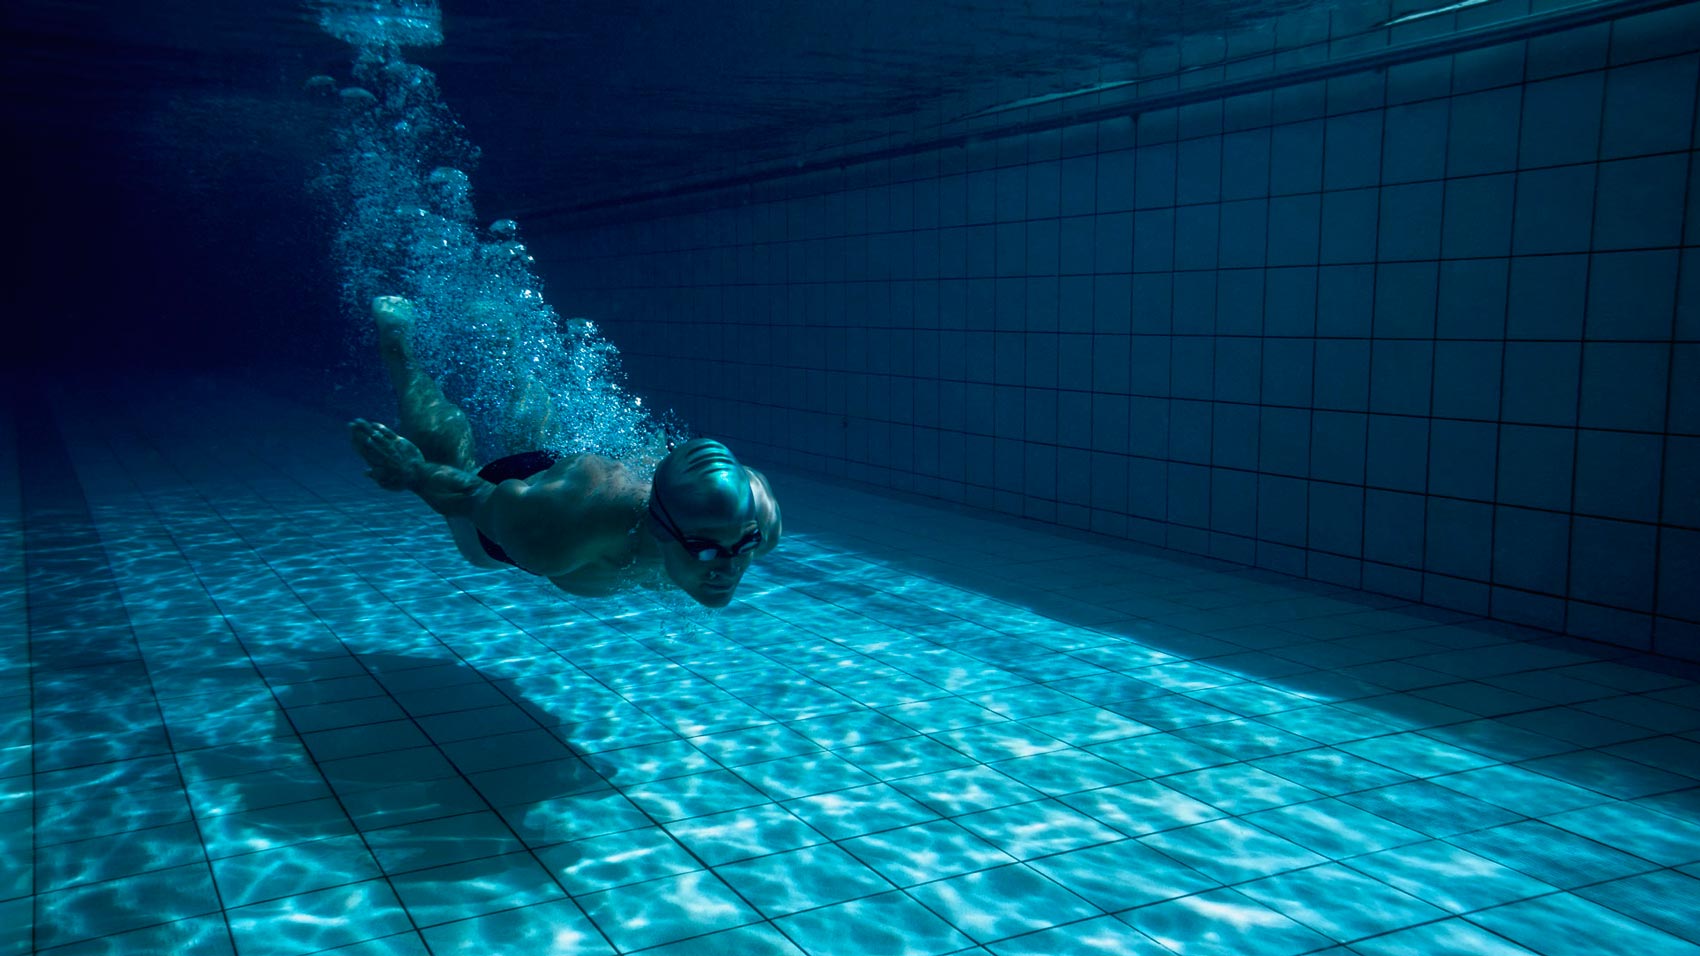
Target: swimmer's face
x=711 y=583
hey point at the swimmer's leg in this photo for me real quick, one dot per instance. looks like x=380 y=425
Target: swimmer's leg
x=398 y=464
x=428 y=419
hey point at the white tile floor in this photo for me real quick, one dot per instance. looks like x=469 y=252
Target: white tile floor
x=249 y=702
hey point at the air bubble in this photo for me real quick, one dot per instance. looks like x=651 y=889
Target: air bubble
x=527 y=378
x=382 y=23
x=451 y=192
x=357 y=97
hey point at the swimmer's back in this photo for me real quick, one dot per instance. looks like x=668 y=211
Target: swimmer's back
x=564 y=517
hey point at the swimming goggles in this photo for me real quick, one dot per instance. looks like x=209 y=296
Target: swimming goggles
x=703 y=549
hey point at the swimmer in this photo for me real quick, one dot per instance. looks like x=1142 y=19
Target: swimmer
x=582 y=521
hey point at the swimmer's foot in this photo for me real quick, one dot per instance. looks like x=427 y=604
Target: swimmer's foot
x=394 y=460
x=394 y=317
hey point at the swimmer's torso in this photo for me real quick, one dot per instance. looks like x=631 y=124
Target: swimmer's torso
x=576 y=524
x=605 y=578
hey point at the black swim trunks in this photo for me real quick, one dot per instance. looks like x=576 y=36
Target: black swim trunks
x=523 y=465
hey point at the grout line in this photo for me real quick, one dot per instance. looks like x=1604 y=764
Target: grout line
x=958 y=696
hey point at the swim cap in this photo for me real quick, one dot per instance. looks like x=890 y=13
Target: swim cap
x=701 y=482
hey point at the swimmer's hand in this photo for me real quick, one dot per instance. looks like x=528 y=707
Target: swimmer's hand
x=396 y=462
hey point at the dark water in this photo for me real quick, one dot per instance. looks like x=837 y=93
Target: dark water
x=160 y=150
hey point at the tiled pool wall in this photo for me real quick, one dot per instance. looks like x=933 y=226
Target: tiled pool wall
x=1431 y=330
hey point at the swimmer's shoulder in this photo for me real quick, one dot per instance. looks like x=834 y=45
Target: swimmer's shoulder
x=594 y=494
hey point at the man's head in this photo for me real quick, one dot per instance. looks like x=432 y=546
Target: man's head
x=704 y=511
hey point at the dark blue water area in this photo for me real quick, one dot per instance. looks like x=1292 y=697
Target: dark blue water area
x=162 y=154
x=120 y=262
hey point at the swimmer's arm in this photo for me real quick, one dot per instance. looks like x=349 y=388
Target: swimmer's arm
x=502 y=511
x=451 y=492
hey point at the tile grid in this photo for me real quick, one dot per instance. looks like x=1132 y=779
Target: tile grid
x=1428 y=451
x=254 y=906
x=1662 y=532
x=799 y=545
x=242 y=652
x=1520 y=603
x=1576 y=437
x=71 y=636
x=363 y=834
x=16 y=769
x=54 y=907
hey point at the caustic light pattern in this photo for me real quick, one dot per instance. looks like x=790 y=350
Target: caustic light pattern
x=253 y=705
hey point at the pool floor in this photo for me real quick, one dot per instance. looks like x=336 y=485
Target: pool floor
x=250 y=703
